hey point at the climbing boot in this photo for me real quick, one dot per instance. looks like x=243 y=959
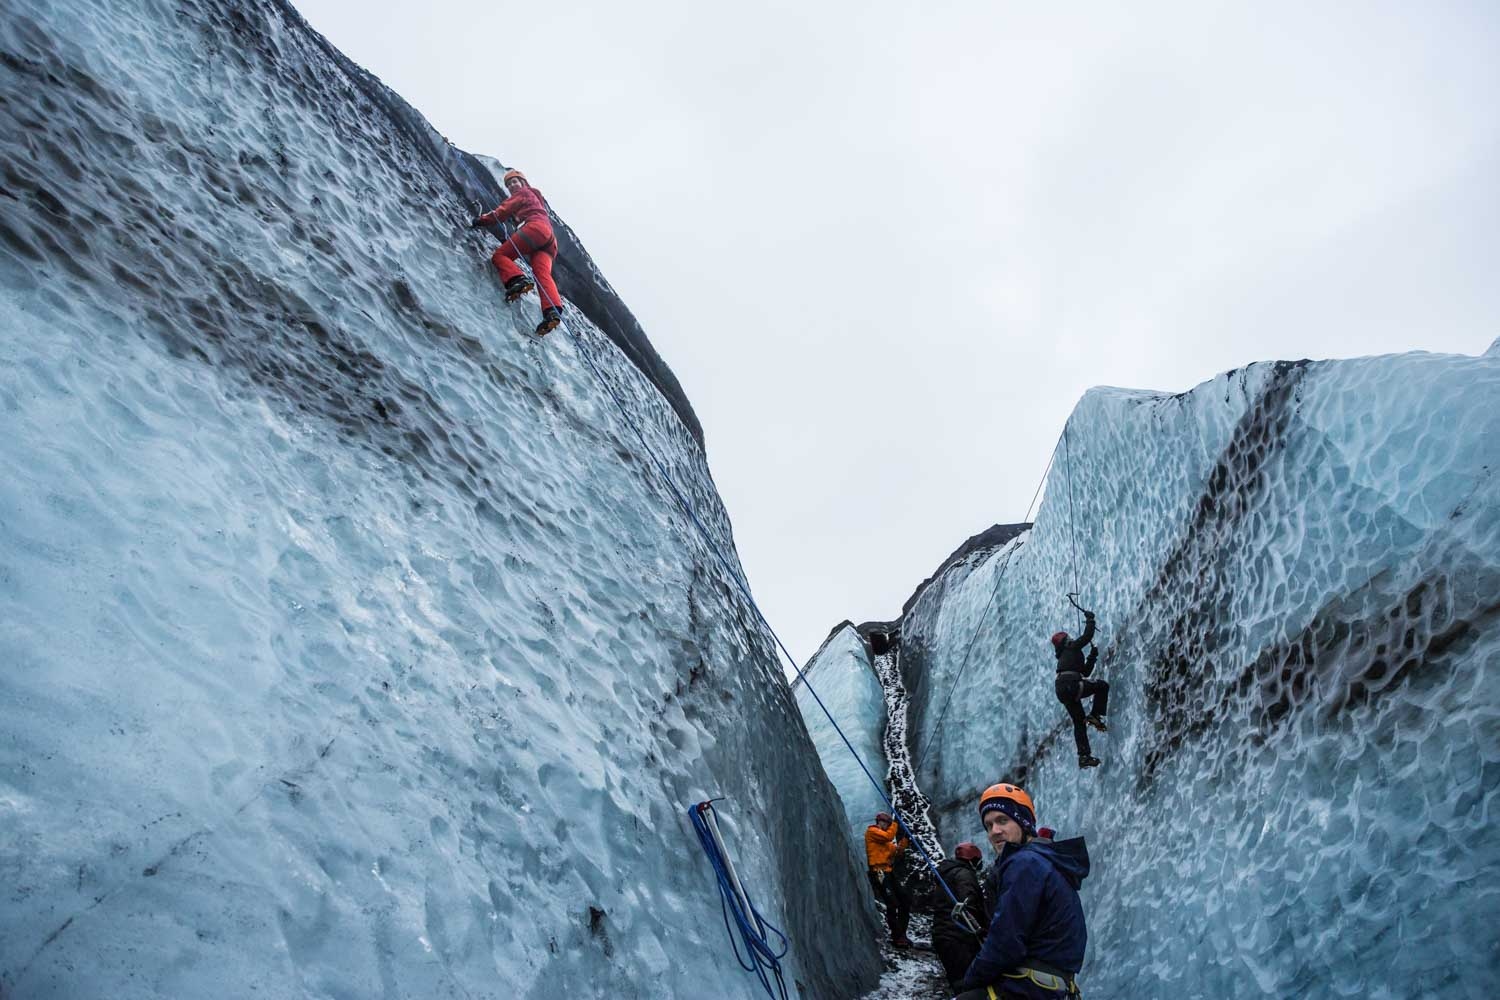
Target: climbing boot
x=1097 y=723
x=1086 y=760
x=517 y=287
x=551 y=317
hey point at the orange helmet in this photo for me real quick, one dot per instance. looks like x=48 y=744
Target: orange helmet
x=514 y=173
x=1007 y=792
x=1010 y=800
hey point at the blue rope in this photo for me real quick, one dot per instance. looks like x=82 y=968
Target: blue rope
x=759 y=958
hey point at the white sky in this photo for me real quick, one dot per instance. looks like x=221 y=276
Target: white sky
x=886 y=246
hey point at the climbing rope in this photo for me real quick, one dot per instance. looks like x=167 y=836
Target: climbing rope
x=1072 y=515
x=586 y=353
x=759 y=957
x=979 y=627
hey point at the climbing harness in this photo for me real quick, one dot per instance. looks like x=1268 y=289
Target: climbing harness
x=1065 y=985
x=759 y=957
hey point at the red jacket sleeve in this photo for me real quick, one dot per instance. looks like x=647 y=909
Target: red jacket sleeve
x=503 y=211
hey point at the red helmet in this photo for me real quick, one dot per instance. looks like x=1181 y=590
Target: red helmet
x=882 y=817
x=966 y=851
x=1058 y=638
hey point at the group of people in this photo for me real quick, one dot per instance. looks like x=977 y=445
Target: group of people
x=1016 y=929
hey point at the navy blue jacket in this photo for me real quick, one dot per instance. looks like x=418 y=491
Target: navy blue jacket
x=1036 y=912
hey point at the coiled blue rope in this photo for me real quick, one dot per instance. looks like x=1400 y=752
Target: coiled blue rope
x=754 y=929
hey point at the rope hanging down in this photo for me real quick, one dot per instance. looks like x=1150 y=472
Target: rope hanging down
x=979 y=627
x=759 y=957
x=1072 y=518
x=687 y=508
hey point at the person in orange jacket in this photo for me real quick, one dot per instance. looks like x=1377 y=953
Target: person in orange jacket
x=534 y=238
x=884 y=846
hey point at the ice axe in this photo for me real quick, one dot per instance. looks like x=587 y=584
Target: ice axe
x=1076 y=605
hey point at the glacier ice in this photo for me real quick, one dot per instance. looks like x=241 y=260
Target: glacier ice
x=841 y=674
x=349 y=645
x=1296 y=568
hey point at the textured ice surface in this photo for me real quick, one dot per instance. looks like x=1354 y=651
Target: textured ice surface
x=841 y=674
x=349 y=646
x=1297 y=572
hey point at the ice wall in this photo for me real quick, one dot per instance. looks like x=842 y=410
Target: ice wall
x=844 y=679
x=349 y=643
x=1297 y=573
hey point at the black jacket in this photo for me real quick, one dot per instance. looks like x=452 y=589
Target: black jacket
x=1070 y=653
x=963 y=878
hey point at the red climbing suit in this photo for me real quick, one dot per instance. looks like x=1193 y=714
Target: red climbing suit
x=533 y=237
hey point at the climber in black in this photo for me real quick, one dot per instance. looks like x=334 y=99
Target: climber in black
x=955 y=938
x=1073 y=685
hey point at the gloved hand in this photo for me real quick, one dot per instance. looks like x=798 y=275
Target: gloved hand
x=478 y=223
x=1088 y=616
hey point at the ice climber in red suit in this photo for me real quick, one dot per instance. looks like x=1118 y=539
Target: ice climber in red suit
x=533 y=237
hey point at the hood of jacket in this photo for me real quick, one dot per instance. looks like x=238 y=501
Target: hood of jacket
x=1069 y=857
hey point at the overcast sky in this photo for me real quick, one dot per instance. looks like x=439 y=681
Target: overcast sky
x=887 y=246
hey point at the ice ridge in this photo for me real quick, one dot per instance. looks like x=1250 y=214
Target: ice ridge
x=349 y=643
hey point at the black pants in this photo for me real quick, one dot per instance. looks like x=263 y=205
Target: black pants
x=890 y=891
x=956 y=954
x=1071 y=689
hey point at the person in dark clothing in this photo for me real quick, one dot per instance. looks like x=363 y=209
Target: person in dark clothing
x=885 y=846
x=957 y=931
x=1036 y=939
x=1073 y=685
